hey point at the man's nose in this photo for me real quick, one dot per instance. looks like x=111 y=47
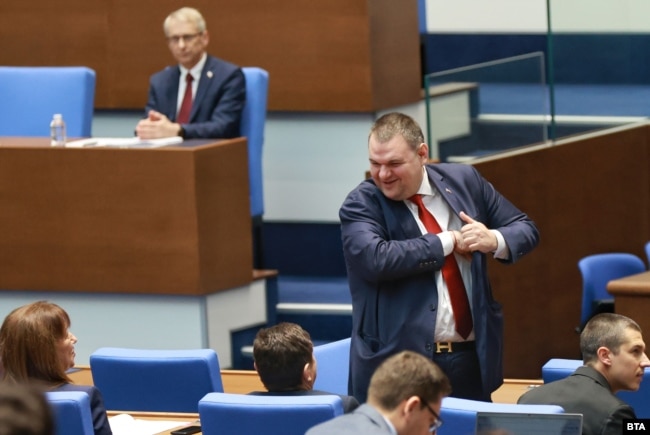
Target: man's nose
x=645 y=362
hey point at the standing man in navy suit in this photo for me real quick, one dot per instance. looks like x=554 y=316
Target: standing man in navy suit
x=425 y=290
x=206 y=105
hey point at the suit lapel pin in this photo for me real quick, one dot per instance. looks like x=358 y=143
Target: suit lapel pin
x=447 y=190
x=209 y=74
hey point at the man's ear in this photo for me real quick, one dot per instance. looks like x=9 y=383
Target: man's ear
x=604 y=356
x=255 y=366
x=423 y=151
x=307 y=375
x=411 y=403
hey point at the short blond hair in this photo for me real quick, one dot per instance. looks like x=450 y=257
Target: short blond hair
x=187 y=14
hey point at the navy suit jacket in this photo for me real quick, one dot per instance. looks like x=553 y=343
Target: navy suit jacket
x=218 y=103
x=391 y=270
x=585 y=392
x=364 y=420
x=97 y=408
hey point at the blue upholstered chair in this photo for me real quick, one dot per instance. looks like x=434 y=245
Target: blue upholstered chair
x=155 y=380
x=32 y=95
x=597 y=270
x=459 y=415
x=252 y=126
x=558 y=368
x=71 y=412
x=647 y=253
x=333 y=366
x=237 y=414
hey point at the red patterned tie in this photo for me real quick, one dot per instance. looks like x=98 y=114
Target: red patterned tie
x=186 y=106
x=451 y=274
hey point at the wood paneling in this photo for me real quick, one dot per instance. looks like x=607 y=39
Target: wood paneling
x=587 y=195
x=173 y=220
x=334 y=55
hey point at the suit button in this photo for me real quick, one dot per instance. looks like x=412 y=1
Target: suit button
x=432 y=307
x=428 y=347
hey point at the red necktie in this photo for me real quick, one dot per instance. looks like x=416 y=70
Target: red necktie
x=186 y=106
x=451 y=274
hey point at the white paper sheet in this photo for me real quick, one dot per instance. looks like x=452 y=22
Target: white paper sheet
x=125 y=424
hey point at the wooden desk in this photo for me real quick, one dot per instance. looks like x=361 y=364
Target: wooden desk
x=110 y=220
x=632 y=298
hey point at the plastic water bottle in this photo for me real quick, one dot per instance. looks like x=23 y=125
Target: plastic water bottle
x=57 y=131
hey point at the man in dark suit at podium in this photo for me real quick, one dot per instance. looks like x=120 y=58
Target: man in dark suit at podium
x=202 y=96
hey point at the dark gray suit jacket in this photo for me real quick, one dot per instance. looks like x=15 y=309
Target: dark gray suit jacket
x=585 y=392
x=218 y=103
x=364 y=420
x=391 y=270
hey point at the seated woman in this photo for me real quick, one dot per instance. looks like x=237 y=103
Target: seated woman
x=284 y=359
x=37 y=347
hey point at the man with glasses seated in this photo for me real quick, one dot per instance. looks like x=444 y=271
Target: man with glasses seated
x=404 y=398
x=201 y=97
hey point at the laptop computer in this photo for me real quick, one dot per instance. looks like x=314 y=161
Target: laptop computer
x=511 y=423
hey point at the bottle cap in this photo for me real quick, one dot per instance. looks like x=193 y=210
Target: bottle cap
x=58 y=115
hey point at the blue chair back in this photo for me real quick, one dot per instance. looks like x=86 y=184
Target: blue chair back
x=459 y=415
x=647 y=253
x=252 y=126
x=236 y=414
x=32 y=95
x=558 y=368
x=155 y=380
x=71 y=412
x=333 y=366
x=597 y=270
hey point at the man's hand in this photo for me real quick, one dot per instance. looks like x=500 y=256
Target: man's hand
x=156 y=126
x=476 y=237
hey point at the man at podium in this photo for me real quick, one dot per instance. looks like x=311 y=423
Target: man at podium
x=201 y=97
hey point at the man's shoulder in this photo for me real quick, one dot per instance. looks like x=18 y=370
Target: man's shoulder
x=165 y=73
x=362 y=420
x=450 y=169
x=220 y=67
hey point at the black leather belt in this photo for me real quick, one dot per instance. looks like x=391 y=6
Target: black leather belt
x=454 y=346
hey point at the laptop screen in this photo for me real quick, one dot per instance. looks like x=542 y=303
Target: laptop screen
x=511 y=423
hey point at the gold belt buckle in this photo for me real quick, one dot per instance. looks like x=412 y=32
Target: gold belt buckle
x=440 y=347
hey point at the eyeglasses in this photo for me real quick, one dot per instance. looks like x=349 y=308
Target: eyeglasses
x=437 y=422
x=185 y=38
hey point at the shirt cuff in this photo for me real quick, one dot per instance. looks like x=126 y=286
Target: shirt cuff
x=447 y=240
x=502 y=252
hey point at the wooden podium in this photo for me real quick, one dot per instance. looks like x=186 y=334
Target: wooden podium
x=172 y=220
x=632 y=298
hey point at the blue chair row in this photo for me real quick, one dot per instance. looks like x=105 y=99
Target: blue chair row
x=557 y=368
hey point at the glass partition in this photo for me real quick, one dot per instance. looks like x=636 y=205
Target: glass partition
x=599 y=63
x=487 y=108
